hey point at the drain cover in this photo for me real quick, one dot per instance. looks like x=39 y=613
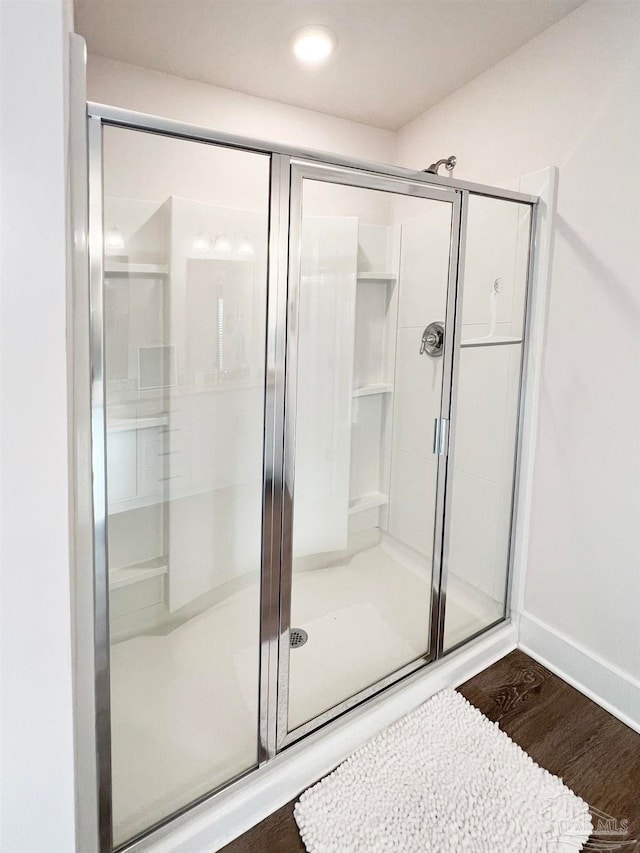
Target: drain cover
x=297 y=637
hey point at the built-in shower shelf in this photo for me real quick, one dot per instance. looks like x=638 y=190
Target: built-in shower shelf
x=491 y=341
x=135 y=270
x=377 y=276
x=368 y=501
x=124 y=424
x=375 y=388
x=138 y=572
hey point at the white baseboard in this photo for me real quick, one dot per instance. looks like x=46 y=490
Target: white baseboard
x=612 y=689
x=225 y=816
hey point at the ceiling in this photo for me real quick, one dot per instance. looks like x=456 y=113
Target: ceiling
x=394 y=59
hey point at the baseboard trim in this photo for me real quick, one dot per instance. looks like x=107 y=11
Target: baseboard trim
x=609 y=687
x=208 y=827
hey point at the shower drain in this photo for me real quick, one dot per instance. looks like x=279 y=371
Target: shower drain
x=297 y=637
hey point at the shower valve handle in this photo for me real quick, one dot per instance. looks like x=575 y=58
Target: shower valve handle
x=433 y=339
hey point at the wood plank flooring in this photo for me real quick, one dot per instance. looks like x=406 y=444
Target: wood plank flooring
x=594 y=753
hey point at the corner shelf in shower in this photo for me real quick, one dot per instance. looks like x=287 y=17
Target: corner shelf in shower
x=129 y=575
x=374 y=388
x=135 y=270
x=493 y=341
x=377 y=276
x=368 y=501
x=158 y=497
x=125 y=424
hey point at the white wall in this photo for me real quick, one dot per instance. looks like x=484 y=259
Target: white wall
x=36 y=783
x=136 y=88
x=570 y=97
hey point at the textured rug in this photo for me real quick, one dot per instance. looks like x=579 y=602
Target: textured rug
x=443 y=779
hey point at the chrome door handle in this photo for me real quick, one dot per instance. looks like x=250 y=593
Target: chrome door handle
x=440 y=436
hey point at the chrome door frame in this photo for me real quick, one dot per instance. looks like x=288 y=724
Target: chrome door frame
x=274 y=494
x=272 y=463
x=359 y=178
x=199 y=133
x=102 y=652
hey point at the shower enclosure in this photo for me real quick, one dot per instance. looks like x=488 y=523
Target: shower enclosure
x=306 y=386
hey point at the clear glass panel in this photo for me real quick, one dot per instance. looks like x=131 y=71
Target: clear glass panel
x=185 y=286
x=495 y=272
x=373 y=274
x=484 y=430
x=484 y=449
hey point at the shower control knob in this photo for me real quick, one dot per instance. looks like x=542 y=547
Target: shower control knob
x=433 y=339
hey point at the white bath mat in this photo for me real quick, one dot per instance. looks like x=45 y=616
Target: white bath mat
x=443 y=779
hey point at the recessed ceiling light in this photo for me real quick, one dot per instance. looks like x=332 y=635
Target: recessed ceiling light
x=314 y=44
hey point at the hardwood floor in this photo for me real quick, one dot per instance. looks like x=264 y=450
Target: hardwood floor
x=594 y=753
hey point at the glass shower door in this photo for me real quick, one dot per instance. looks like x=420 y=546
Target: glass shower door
x=288 y=525
x=369 y=325
x=485 y=405
x=184 y=301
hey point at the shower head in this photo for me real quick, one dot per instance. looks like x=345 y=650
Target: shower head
x=448 y=162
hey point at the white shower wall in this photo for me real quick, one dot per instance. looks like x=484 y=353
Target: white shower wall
x=390 y=449
x=209 y=489
x=424 y=271
x=487 y=388
x=325 y=327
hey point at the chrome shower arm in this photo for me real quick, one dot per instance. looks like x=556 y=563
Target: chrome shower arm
x=448 y=162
